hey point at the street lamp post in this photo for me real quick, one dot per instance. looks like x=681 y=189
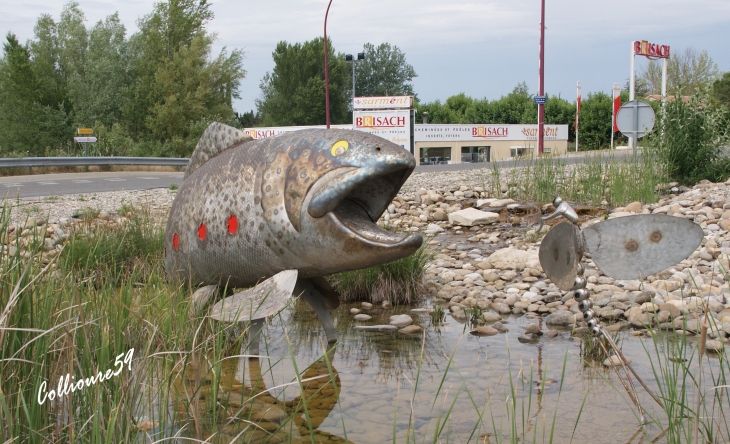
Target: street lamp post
x=350 y=58
x=326 y=70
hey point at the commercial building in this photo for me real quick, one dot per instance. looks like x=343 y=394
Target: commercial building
x=445 y=143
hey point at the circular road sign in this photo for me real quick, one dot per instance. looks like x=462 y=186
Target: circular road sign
x=635 y=118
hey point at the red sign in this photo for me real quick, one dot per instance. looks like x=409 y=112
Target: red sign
x=489 y=131
x=651 y=50
x=380 y=122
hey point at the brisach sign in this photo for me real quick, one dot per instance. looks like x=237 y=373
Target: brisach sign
x=490 y=132
x=262 y=133
x=651 y=50
x=382 y=102
x=380 y=122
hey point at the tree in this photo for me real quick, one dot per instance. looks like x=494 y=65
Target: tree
x=28 y=125
x=191 y=90
x=172 y=25
x=595 y=121
x=686 y=71
x=99 y=91
x=383 y=72
x=721 y=90
x=294 y=93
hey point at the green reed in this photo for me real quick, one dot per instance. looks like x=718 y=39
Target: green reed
x=595 y=179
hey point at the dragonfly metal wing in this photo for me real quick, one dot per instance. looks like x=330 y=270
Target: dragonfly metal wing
x=561 y=251
x=634 y=247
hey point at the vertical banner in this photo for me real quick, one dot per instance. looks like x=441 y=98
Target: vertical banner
x=616 y=104
x=577 y=114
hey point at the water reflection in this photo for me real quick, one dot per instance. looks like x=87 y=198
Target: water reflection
x=439 y=384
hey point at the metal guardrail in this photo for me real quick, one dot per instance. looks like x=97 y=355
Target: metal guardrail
x=88 y=161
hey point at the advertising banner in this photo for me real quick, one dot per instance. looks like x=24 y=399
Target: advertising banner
x=264 y=132
x=393 y=125
x=438 y=132
x=616 y=104
x=383 y=102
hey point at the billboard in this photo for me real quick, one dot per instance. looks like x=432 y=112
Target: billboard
x=393 y=124
x=441 y=132
x=383 y=102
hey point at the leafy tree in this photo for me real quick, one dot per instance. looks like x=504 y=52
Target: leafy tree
x=686 y=71
x=294 y=93
x=383 y=72
x=595 y=121
x=29 y=126
x=97 y=93
x=192 y=90
x=172 y=25
x=249 y=119
x=721 y=90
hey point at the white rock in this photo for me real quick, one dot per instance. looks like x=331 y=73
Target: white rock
x=401 y=321
x=471 y=217
x=512 y=258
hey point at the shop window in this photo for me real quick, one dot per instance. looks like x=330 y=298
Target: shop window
x=435 y=155
x=520 y=151
x=472 y=154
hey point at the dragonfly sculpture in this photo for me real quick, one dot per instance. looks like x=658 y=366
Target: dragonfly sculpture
x=630 y=247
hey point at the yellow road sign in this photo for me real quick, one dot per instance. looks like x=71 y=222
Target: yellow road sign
x=85 y=130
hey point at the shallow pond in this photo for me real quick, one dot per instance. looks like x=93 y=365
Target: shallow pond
x=442 y=385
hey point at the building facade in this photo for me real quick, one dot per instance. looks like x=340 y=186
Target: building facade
x=453 y=143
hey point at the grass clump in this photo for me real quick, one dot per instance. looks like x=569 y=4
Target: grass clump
x=597 y=179
x=398 y=282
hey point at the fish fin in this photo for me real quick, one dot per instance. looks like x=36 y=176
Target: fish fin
x=261 y=301
x=217 y=138
x=330 y=296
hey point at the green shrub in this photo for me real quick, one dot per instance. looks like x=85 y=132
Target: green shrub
x=690 y=138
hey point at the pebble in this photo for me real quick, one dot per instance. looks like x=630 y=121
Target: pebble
x=614 y=361
x=484 y=331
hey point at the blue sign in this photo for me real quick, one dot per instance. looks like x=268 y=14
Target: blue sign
x=539 y=100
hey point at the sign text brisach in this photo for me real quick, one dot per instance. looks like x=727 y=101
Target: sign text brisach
x=380 y=122
x=651 y=49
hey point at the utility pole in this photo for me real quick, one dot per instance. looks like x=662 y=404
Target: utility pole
x=326 y=70
x=541 y=107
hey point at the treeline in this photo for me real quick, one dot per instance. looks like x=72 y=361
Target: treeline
x=151 y=93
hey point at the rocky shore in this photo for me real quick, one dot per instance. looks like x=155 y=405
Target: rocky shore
x=486 y=260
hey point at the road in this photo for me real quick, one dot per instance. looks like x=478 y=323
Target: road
x=82 y=183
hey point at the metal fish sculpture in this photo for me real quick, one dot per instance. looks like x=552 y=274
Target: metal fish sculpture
x=304 y=200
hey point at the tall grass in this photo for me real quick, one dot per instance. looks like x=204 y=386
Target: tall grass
x=596 y=179
x=398 y=282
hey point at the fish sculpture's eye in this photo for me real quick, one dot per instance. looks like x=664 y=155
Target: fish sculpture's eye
x=339 y=148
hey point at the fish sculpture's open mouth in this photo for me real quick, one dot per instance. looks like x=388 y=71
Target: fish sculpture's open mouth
x=354 y=199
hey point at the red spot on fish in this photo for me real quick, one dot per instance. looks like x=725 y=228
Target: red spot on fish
x=202 y=232
x=175 y=241
x=232 y=224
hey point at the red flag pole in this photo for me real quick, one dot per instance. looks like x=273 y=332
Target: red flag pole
x=326 y=70
x=541 y=107
x=577 y=116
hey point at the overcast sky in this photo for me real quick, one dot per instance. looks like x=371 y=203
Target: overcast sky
x=481 y=48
